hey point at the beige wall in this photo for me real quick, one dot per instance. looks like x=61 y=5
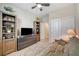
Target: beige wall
x=65 y=11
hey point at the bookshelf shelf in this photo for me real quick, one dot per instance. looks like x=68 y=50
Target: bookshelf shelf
x=37 y=30
x=7 y=33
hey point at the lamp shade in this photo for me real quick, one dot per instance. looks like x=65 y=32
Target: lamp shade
x=71 y=32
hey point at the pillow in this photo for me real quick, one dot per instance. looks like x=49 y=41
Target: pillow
x=66 y=38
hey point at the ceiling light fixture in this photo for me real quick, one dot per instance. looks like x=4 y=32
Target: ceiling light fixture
x=39 y=5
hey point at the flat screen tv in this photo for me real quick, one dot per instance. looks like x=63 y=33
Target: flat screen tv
x=26 y=31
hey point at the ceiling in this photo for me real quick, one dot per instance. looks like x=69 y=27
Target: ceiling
x=36 y=11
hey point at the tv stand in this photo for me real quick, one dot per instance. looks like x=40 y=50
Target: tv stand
x=26 y=41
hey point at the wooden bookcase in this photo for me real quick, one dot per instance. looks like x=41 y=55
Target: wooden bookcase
x=37 y=30
x=7 y=33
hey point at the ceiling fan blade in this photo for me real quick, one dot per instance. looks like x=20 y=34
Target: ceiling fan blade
x=34 y=6
x=45 y=4
x=41 y=9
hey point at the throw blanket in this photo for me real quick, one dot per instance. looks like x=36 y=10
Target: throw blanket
x=57 y=48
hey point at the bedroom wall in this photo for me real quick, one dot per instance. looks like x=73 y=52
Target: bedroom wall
x=59 y=21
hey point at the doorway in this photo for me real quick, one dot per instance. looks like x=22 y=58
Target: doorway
x=46 y=30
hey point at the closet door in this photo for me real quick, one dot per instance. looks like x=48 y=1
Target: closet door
x=9 y=46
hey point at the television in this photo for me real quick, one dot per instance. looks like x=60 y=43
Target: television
x=26 y=31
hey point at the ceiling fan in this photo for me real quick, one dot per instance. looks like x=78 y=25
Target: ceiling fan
x=40 y=5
